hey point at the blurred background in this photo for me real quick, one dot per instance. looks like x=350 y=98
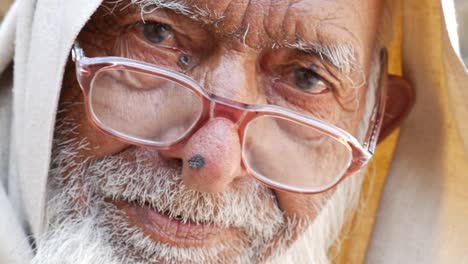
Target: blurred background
x=461 y=7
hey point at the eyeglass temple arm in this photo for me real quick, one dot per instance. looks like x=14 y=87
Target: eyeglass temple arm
x=371 y=138
x=77 y=52
x=378 y=112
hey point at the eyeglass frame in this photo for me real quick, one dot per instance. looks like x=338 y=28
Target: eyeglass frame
x=239 y=113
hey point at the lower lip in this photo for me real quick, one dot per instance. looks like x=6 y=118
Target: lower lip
x=171 y=231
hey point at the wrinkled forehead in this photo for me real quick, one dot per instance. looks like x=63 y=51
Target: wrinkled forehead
x=262 y=23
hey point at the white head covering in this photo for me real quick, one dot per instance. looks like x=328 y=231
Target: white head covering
x=421 y=202
x=37 y=35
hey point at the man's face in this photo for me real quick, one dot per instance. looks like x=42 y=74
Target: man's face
x=148 y=204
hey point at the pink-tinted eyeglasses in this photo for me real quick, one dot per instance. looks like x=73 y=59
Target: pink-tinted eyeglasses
x=147 y=105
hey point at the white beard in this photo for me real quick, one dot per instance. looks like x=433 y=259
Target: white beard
x=314 y=244
x=76 y=242
x=81 y=234
x=76 y=229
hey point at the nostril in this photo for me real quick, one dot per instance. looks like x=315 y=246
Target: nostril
x=178 y=163
x=174 y=163
x=197 y=161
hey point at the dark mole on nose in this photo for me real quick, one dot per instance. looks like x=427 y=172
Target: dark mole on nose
x=196 y=162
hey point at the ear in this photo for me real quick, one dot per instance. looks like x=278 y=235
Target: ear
x=400 y=100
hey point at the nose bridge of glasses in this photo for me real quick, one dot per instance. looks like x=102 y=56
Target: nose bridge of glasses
x=226 y=108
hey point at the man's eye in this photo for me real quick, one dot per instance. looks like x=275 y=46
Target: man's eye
x=309 y=81
x=156 y=32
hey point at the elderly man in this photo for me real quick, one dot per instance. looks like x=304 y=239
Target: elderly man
x=193 y=131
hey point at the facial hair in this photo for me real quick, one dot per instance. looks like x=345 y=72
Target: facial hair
x=85 y=226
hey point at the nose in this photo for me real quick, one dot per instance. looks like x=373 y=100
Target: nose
x=211 y=157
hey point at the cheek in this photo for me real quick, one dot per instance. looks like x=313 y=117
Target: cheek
x=302 y=206
x=352 y=119
x=352 y=104
x=129 y=45
x=72 y=108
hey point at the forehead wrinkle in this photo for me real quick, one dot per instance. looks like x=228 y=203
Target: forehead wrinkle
x=329 y=19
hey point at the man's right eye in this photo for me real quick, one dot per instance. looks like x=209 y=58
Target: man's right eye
x=156 y=32
x=309 y=81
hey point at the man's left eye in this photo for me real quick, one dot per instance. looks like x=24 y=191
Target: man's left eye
x=156 y=32
x=309 y=81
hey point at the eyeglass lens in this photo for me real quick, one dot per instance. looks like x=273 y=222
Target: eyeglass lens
x=143 y=106
x=282 y=152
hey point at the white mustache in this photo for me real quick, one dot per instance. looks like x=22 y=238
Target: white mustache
x=252 y=207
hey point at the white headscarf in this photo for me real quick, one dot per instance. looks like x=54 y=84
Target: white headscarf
x=424 y=202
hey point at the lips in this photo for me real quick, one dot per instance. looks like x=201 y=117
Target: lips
x=160 y=227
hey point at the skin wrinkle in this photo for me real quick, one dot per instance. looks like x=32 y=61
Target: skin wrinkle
x=254 y=14
x=236 y=29
x=286 y=25
x=347 y=106
x=228 y=87
x=331 y=15
x=275 y=24
x=267 y=11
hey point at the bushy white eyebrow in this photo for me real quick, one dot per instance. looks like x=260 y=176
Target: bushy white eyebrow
x=149 y=6
x=341 y=55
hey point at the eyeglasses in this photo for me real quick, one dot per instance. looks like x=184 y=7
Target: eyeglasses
x=148 y=105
